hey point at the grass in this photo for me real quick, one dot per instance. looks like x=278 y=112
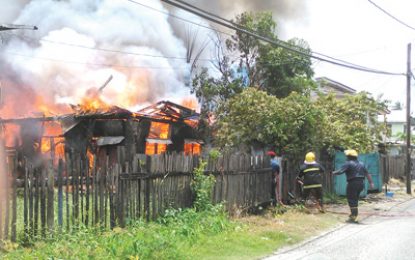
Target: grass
x=182 y=234
x=333 y=198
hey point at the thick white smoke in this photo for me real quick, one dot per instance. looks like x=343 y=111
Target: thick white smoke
x=34 y=64
x=63 y=73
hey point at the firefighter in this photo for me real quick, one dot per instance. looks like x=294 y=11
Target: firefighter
x=355 y=174
x=311 y=176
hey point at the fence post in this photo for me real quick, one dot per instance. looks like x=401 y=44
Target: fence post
x=60 y=194
x=50 y=203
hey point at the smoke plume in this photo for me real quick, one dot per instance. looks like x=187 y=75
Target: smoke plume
x=48 y=62
x=47 y=66
x=281 y=9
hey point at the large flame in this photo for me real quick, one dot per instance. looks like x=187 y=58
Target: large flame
x=93 y=103
x=53 y=142
x=190 y=102
x=160 y=131
x=192 y=148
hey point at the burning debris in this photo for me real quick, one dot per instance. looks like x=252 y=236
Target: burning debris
x=160 y=128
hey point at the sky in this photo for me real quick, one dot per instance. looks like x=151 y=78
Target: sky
x=352 y=30
x=358 y=32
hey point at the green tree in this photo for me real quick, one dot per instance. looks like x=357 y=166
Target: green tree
x=244 y=61
x=255 y=117
x=296 y=124
x=351 y=122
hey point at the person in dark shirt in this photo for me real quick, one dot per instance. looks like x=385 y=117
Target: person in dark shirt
x=275 y=186
x=355 y=174
x=311 y=176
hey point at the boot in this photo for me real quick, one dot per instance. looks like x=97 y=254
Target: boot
x=353 y=216
x=321 y=209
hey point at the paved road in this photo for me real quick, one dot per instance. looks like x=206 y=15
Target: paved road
x=385 y=235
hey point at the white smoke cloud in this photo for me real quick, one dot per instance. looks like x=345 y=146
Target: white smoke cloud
x=62 y=74
x=10 y=9
x=106 y=24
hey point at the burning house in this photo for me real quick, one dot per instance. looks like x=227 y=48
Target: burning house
x=164 y=127
x=49 y=99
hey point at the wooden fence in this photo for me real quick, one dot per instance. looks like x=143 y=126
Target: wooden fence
x=290 y=189
x=394 y=167
x=73 y=191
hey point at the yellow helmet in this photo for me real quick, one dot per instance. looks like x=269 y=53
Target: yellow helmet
x=310 y=157
x=351 y=152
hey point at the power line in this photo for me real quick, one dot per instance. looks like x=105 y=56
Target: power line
x=102 y=49
x=286 y=45
x=179 y=18
x=88 y=63
x=114 y=51
x=240 y=26
x=391 y=16
x=279 y=43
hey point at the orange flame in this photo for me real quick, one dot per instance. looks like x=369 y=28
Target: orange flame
x=190 y=102
x=159 y=130
x=91 y=158
x=11 y=135
x=52 y=135
x=92 y=103
x=192 y=148
x=155 y=148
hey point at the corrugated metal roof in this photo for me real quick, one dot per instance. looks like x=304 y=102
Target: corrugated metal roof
x=109 y=140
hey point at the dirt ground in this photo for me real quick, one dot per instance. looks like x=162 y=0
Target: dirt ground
x=376 y=203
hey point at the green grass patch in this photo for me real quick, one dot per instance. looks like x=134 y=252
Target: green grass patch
x=182 y=234
x=333 y=198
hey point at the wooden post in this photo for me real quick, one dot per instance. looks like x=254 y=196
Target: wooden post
x=43 y=200
x=82 y=166
x=408 y=122
x=111 y=187
x=26 y=201
x=37 y=199
x=87 y=184
x=14 y=200
x=60 y=193
x=50 y=203
x=68 y=170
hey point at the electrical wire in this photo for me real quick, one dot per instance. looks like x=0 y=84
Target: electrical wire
x=115 y=65
x=102 y=49
x=180 y=18
x=391 y=16
x=89 y=63
x=286 y=45
x=116 y=51
x=245 y=28
x=279 y=43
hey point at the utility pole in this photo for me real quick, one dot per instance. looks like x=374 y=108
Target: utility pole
x=7 y=27
x=408 y=121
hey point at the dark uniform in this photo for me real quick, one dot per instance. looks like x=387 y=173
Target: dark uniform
x=355 y=174
x=312 y=179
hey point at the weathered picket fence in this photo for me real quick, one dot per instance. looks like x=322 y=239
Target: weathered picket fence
x=73 y=191
x=290 y=188
x=393 y=166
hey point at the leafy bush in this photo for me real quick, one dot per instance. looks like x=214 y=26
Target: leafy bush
x=202 y=186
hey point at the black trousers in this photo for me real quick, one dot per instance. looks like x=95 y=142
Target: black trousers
x=317 y=193
x=274 y=189
x=353 y=190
